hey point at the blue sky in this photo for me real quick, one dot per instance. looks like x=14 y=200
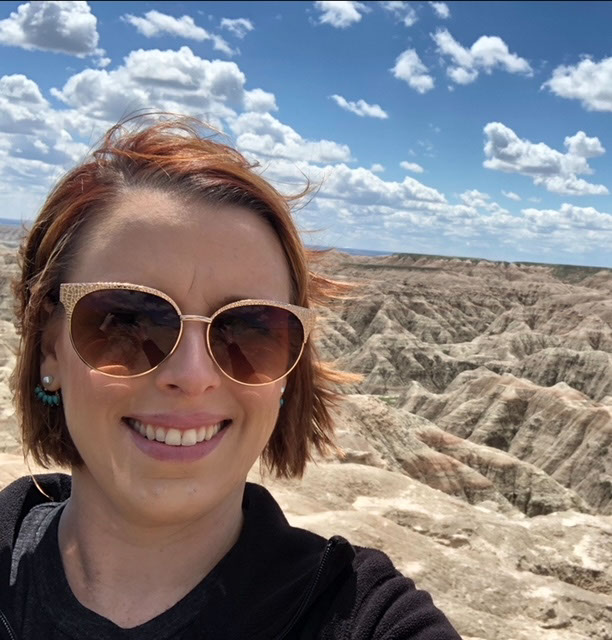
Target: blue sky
x=461 y=128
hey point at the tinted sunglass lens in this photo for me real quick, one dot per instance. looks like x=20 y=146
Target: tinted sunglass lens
x=124 y=332
x=256 y=344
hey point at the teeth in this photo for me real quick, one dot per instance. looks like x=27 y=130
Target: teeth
x=189 y=437
x=175 y=437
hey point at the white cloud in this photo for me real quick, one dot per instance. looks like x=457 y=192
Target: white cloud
x=263 y=135
x=408 y=67
x=377 y=168
x=177 y=81
x=486 y=54
x=411 y=166
x=569 y=216
x=360 y=108
x=23 y=109
x=511 y=195
x=555 y=170
x=583 y=146
x=340 y=13
x=357 y=188
x=156 y=23
x=64 y=27
x=368 y=208
x=361 y=186
x=401 y=10
x=34 y=145
x=479 y=200
x=441 y=9
x=40 y=142
x=461 y=75
x=588 y=81
x=238 y=26
x=259 y=100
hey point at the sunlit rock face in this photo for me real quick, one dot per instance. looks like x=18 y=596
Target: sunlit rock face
x=478 y=445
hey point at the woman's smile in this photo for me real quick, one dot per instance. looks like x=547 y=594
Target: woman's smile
x=176 y=445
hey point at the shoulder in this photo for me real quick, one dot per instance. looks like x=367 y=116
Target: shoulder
x=376 y=602
x=22 y=495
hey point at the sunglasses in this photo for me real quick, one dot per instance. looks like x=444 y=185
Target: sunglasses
x=127 y=330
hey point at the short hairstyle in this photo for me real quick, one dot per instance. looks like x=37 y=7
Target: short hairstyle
x=178 y=156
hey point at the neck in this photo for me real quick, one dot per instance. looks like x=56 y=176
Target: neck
x=111 y=560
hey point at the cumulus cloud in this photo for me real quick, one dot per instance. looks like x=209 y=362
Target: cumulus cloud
x=486 y=54
x=259 y=100
x=61 y=27
x=511 y=195
x=340 y=13
x=479 y=200
x=411 y=166
x=377 y=168
x=365 y=207
x=22 y=106
x=408 y=67
x=569 y=215
x=156 y=23
x=360 y=108
x=34 y=145
x=556 y=171
x=360 y=186
x=441 y=9
x=402 y=11
x=177 y=81
x=238 y=26
x=40 y=141
x=263 y=135
x=588 y=81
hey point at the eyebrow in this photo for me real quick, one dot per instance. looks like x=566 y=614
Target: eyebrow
x=229 y=299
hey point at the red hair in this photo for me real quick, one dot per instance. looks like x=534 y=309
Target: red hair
x=173 y=156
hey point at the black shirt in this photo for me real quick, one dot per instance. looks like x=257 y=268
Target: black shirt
x=44 y=606
x=277 y=582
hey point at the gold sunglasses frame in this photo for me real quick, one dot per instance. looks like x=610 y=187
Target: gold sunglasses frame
x=72 y=292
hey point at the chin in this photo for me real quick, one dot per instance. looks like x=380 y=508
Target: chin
x=178 y=500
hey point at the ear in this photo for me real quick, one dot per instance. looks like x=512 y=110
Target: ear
x=49 y=342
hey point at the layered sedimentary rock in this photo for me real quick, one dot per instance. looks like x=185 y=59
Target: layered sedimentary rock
x=478 y=445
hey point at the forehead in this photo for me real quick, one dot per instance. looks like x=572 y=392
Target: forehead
x=185 y=249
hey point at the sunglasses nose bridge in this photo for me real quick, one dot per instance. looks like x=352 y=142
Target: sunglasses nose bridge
x=193 y=318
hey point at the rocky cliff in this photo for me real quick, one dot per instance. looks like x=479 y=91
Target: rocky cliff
x=478 y=446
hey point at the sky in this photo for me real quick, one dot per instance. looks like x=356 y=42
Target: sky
x=478 y=129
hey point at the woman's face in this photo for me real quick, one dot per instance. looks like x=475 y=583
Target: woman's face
x=200 y=256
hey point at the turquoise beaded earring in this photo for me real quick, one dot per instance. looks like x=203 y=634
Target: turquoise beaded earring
x=50 y=399
x=282 y=400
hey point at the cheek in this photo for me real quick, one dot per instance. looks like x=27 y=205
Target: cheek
x=261 y=407
x=92 y=402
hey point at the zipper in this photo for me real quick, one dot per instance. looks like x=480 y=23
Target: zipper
x=5 y=623
x=311 y=589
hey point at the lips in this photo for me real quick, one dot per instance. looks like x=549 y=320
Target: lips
x=178 y=420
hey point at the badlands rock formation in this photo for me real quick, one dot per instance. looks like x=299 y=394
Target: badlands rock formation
x=478 y=445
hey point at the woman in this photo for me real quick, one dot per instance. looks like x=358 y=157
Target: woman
x=163 y=307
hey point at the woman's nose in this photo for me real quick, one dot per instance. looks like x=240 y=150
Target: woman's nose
x=190 y=368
